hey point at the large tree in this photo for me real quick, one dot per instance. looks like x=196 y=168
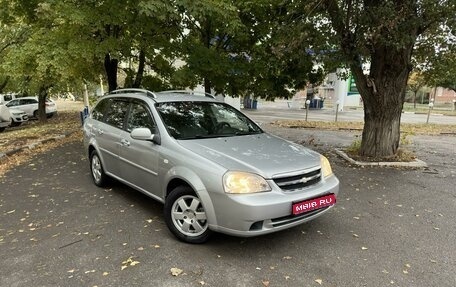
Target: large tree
x=384 y=34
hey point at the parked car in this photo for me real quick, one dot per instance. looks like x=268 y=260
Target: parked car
x=212 y=167
x=5 y=117
x=18 y=117
x=11 y=117
x=30 y=106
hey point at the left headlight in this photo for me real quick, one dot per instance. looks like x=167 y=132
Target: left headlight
x=325 y=167
x=244 y=182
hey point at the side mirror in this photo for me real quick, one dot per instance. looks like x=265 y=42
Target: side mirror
x=145 y=134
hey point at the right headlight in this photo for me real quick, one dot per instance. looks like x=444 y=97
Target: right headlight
x=244 y=182
x=325 y=167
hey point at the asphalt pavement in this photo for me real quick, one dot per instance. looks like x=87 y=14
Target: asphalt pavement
x=390 y=227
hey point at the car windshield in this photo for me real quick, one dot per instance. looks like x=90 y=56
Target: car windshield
x=191 y=120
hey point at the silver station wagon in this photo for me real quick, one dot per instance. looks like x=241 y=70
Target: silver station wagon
x=212 y=167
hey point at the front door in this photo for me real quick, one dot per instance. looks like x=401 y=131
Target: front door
x=138 y=159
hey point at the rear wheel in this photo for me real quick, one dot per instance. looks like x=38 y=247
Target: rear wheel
x=35 y=114
x=2 y=129
x=98 y=175
x=185 y=216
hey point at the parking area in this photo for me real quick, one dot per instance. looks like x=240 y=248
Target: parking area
x=390 y=227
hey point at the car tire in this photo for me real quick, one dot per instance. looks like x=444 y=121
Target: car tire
x=185 y=216
x=96 y=170
x=2 y=129
x=35 y=114
x=15 y=124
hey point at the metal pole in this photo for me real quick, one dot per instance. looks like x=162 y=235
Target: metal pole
x=431 y=105
x=337 y=110
x=307 y=108
x=86 y=96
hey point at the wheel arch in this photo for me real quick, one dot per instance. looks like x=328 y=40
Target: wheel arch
x=181 y=176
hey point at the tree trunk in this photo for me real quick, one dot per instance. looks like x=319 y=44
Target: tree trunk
x=110 y=65
x=207 y=86
x=140 y=72
x=383 y=93
x=4 y=83
x=42 y=95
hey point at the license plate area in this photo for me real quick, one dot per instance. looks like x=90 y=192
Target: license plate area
x=313 y=204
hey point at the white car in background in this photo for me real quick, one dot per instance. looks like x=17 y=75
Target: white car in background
x=11 y=117
x=30 y=106
x=18 y=117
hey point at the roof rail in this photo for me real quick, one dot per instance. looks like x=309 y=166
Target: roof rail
x=189 y=93
x=134 y=90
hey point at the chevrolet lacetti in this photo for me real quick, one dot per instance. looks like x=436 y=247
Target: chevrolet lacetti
x=212 y=167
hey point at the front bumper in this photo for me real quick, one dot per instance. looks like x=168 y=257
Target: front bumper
x=19 y=118
x=261 y=213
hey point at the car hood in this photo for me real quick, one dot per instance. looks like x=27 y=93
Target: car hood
x=263 y=154
x=16 y=111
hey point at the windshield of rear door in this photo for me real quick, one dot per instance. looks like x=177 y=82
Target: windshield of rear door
x=192 y=120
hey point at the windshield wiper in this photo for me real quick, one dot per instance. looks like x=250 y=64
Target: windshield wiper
x=243 y=133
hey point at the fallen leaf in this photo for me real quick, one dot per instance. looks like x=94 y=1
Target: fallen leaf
x=364 y=248
x=123 y=267
x=176 y=271
x=133 y=263
x=105 y=273
x=319 y=281
x=407 y=265
x=140 y=248
x=258 y=268
x=405 y=271
x=356 y=217
x=287 y=257
x=355 y=235
x=149 y=220
x=265 y=283
x=433 y=261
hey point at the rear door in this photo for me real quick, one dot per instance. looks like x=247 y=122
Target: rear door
x=28 y=105
x=107 y=131
x=138 y=159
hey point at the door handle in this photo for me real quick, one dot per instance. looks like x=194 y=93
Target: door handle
x=124 y=142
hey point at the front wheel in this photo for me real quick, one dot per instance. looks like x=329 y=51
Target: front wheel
x=15 y=124
x=98 y=175
x=185 y=216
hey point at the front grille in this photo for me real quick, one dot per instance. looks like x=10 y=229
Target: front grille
x=300 y=181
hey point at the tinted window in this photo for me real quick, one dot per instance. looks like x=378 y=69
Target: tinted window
x=140 y=118
x=187 y=120
x=28 y=102
x=7 y=97
x=116 y=111
x=99 y=111
x=12 y=103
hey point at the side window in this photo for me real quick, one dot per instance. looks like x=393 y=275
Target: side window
x=140 y=118
x=99 y=111
x=115 y=114
x=13 y=103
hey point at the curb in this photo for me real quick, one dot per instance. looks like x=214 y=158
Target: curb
x=33 y=145
x=412 y=164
